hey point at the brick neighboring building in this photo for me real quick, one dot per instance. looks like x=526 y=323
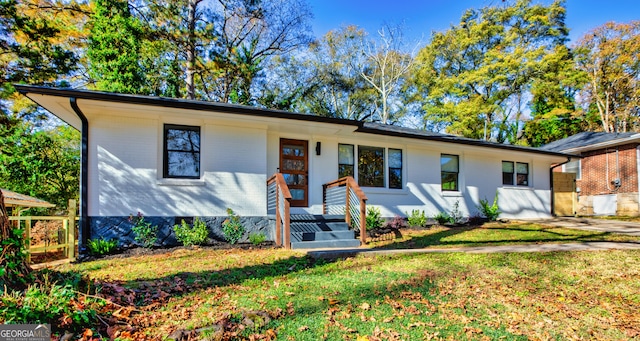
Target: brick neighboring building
x=607 y=175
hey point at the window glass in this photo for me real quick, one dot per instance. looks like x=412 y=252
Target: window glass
x=507 y=173
x=522 y=174
x=182 y=151
x=395 y=168
x=345 y=160
x=449 y=169
x=371 y=166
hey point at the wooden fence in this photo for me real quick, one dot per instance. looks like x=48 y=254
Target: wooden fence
x=52 y=233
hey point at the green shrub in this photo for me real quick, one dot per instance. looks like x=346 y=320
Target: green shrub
x=492 y=211
x=443 y=218
x=417 y=218
x=374 y=218
x=14 y=272
x=47 y=303
x=145 y=233
x=100 y=247
x=257 y=238
x=452 y=217
x=232 y=228
x=192 y=235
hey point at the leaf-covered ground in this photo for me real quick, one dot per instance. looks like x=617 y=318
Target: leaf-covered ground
x=285 y=295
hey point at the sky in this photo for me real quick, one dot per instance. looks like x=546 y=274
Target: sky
x=420 y=17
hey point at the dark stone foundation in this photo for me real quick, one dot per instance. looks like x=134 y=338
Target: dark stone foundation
x=120 y=228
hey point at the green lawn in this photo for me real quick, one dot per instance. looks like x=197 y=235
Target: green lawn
x=559 y=295
x=494 y=234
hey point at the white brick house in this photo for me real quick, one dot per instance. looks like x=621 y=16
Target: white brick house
x=136 y=158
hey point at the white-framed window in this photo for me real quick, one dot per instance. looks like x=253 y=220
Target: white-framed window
x=573 y=167
x=371 y=166
x=181 y=151
x=515 y=173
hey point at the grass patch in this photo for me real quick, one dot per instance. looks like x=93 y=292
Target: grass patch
x=492 y=234
x=558 y=295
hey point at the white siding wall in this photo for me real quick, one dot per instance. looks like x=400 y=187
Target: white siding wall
x=480 y=178
x=126 y=170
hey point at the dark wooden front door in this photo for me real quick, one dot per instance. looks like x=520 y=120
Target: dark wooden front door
x=294 y=166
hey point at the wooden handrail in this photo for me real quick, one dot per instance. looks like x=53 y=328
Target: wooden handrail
x=351 y=184
x=281 y=186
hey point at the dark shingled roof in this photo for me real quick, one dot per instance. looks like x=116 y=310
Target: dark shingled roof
x=584 y=139
x=362 y=127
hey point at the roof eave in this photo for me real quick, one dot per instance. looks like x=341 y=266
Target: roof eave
x=470 y=142
x=252 y=111
x=179 y=103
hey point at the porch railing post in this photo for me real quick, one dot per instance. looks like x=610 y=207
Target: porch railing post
x=27 y=238
x=278 y=221
x=287 y=225
x=363 y=221
x=347 y=207
x=324 y=199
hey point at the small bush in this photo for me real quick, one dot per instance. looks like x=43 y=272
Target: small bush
x=195 y=234
x=492 y=211
x=257 y=238
x=443 y=218
x=145 y=233
x=232 y=228
x=48 y=303
x=417 y=218
x=101 y=247
x=374 y=218
x=455 y=214
x=397 y=223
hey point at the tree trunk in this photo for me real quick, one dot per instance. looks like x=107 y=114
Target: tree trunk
x=191 y=50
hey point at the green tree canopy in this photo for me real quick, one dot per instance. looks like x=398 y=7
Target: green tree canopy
x=475 y=77
x=114 y=48
x=608 y=56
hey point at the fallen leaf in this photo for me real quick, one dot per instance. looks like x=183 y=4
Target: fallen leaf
x=303 y=328
x=365 y=306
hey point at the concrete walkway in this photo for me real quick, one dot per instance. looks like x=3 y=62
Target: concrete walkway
x=601 y=225
x=548 y=247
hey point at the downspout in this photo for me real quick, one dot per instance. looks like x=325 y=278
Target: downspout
x=553 y=213
x=83 y=226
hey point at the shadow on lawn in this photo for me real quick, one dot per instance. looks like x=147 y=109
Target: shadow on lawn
x=144 y=292
x=526 y=235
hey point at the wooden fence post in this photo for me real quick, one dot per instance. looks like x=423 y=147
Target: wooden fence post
x=27 y=238
x=71 y=231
